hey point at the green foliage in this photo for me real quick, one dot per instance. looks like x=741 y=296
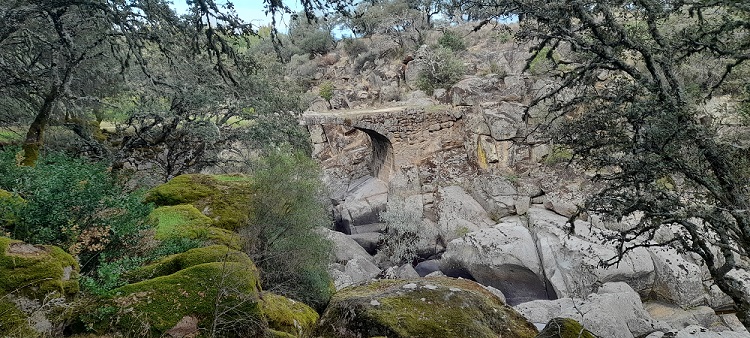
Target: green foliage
x=452 y=40
x=280 y=238
x=13 y=322
x=441 y=69
x=311 y=37
x=402 y=239
x=326 y=91
x=76 y=205
x=558 y=154
x=541 y=63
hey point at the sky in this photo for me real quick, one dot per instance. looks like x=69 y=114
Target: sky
x=251 y=11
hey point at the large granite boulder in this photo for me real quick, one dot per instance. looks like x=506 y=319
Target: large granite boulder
x=496 y=194
x=503 y=257
x=363 y=203
x=572 y=260
x=615 y=311
x=678 y=280
x=432 y=307
x=352 y=262
x=287 y=317
x=459 y=213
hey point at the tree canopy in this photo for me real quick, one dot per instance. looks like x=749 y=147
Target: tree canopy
x=635 y=81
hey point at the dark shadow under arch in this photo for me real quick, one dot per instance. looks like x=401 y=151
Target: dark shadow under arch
x=381 y=163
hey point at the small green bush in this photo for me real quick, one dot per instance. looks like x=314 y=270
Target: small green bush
x=326 y=91
x=442 y=69
x=293 y=258
x=452 y=41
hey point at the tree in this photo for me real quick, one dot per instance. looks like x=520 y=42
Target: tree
x=57 y=57
x=630 y=106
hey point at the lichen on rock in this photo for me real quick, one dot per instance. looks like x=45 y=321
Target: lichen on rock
x=433 y=307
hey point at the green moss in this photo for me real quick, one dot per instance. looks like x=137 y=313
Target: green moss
x=233 y=178
x=446 y=308
x=229 y=288
x=557 y=155
x=185 y=221
x=564 y=328
x=174 y=263
x=35 y=270
x=224 y=199
x=13 y=322
x=286 y=315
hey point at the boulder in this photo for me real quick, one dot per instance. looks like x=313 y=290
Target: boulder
x=354 y=271
x=614 y=311
x=695 y=331
x=503 y=257
x=36 y=271
x=367 y=240
x=459 y=213
x=186 y=221
x=223 y=198
x=363 y=203
x=154 y=306
x=564 y=328
x=679 y=318
x=504 y=120
x=496 y=194
x=571 y=261
x=344 y=247
x=287 y=315
x=174 y=263
x=433 y=307
x=678 y=280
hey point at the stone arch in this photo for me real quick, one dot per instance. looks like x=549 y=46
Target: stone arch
x=381 y=162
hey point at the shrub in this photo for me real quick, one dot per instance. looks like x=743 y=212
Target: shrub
x=326 y=91
x=441 y=69
x=452 y=41
x=74 y=204
x=293 y=258
x=354 y=47
x=402 y=239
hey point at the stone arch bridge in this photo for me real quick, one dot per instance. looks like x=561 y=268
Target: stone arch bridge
x=398 y=136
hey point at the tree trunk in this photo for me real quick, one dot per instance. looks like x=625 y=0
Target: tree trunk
x=35 y=135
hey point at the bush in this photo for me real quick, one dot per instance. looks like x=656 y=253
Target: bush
x=441 y=69
x=326 y=91
x=452 y=41
x=293 y=258
x=354 y=47
x=74 y=204
x=402 y=239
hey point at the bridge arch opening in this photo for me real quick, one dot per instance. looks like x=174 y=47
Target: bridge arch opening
x=381 y=163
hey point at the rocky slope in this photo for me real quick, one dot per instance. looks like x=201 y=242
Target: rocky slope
x=493 y=199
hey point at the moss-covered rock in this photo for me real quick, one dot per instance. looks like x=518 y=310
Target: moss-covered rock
x=13 y=322
x=225 y=199
x=34 y=271
x=186 y=221
x=174 y=263
x=230 y=289
x=288 y=316
x=433 y=307
x=564 y=328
